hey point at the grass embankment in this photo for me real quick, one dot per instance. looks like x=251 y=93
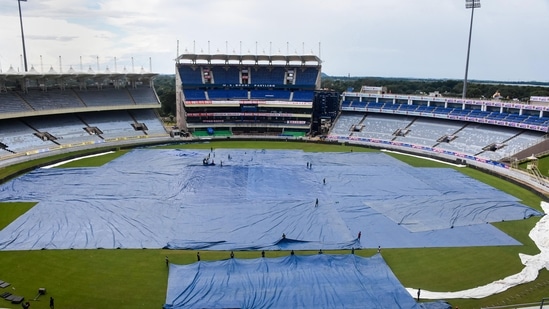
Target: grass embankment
x=138 y=278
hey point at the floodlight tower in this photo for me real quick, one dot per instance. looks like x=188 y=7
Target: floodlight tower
x=22 y=35
x=469 y=4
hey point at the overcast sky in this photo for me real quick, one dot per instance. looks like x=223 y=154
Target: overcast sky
x=388 y=38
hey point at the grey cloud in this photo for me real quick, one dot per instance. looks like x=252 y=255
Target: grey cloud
x=52 y=38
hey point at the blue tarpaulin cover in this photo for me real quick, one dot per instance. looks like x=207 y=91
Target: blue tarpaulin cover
x=315 y=281
x=153 y=198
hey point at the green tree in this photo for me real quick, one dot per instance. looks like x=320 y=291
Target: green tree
x=165 y=88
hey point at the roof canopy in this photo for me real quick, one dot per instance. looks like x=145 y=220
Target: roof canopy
x=238 y=59
x=77 y=75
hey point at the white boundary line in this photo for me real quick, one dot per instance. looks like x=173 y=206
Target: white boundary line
x=76 y=159
x=425 y=158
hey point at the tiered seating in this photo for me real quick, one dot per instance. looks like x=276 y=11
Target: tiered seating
x=105 y=97
x=535 y=120
x=20 y=137
x=150 y=119
x=442 y=110
x=496 y=116
x=382 y=126
x=425 y=109
x=425 y=131
x=407 y=108
x=374 y=105
x=51 y=99
x=303 y=95
x=261 y=75
x=515 y=118
x=194 y=95
x=478 y=114
x=346 y=103
x=143 y=95
x=522 y=141
x=228 y=94
x=270 y=94
x=461 y=112
x=68 y=129
x=226 y=75
x=113 y=124
x=345 y=123
x=190 y=76
x=389 y=106
x=473 y=138
x=10 y=102
x=358 y=104
x=306 y=76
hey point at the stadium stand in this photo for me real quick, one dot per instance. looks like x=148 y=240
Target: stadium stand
x=192 y=75
x=382 y=126
x=225 y=95
x=483 y=130
x=424 y=131
x=150 y=119
x=114 y=124
x=257 y=95
x=11 y=102
x=267 y=75
x=225 y=75
x=303 y=95
x=306 y=76
x=51 y=99
x=67 y=129
x=143 y=95
x=19 y=137
x=517 y=115
x=346 y=122
x=194 y=94
x=270 y=94
x=107 y=96
x=75 y=109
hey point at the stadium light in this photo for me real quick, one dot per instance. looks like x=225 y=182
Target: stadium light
x=22 y=35
x=469 y=4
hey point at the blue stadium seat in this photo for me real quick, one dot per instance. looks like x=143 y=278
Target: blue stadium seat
x=270 y=94
x=193 y=94
x=226 y=75
x=303 y=95
x=190 y=76
x=262 y=75
x=306 y=76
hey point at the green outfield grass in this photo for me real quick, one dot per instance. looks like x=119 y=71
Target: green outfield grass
x=12 y=211
x=137 y=278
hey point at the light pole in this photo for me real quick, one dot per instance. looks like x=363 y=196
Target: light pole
x=469 y=4
x=22 y=35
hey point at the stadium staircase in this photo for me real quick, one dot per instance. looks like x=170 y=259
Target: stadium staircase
x=533 y=170
x=45 y=136
x=137 y=125
x=24 y=100
x=453 y=134
x=79 y=97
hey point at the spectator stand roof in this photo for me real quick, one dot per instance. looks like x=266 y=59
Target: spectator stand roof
x=249 y=58
x=13 y=76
